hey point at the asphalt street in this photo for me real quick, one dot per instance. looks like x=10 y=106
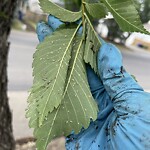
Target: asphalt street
x=23 y=46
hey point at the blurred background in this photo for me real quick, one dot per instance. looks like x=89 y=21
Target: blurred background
x=135 y=48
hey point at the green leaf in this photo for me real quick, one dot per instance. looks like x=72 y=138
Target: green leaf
x=92 y=45
x=77 y=106
x=96 y=10
x=59 y=12
x=50 y=65
x=76 y=109
x=126 y=15
x=32 y=112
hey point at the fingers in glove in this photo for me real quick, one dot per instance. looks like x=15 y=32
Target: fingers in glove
x=43 y=30
x=98 y=91
x=94 y=81
x=54 y=22
x=81 y=28
x=116 y=80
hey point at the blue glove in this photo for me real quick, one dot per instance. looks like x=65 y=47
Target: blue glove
x=44 y=29
x=123 y=121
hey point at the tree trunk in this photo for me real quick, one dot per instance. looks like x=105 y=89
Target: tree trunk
x=7 y=8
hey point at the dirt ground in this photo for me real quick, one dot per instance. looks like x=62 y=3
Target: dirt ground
x=24 y=144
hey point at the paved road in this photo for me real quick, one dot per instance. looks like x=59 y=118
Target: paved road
x=22 y=48
x=138 y=63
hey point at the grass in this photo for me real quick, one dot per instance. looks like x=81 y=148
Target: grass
x=26 y=25
x=16 y=24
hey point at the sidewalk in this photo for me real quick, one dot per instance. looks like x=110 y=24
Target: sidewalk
x=18 y=104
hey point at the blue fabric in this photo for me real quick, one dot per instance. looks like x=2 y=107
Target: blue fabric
x=81 y=28
x=43 y=30
x=54 y=22
x=123 y=121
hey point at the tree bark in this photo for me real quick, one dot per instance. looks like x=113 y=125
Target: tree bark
x=7 y=8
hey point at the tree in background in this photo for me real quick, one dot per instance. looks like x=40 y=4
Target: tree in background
x=142 y=6
x=73 y=5
x=7 y=8
x=144 y=10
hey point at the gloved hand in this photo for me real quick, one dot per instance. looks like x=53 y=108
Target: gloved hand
x=123 y=121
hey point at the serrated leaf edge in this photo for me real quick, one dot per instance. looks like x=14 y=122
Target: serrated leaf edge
x=41 y=117
x=68 y=11
x=140 y=30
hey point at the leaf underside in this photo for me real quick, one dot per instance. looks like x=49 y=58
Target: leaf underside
x=59 y=12
x=96 y=10
x=77 y=106
x=50 y=67
x=67 y=117
x=126 y=15
x=92 y=45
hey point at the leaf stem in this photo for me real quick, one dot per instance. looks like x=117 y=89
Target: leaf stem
x=83 y=11
x=66 y=88
x=91 y=26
